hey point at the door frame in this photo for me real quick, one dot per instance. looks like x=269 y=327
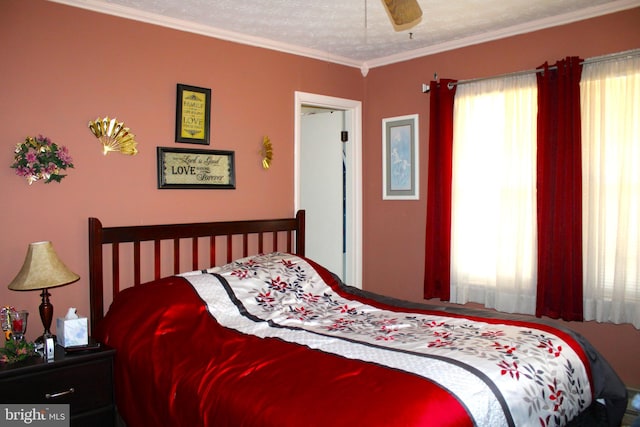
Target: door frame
x=354 y=165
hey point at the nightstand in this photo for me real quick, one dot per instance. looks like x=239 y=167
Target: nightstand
x=83 y=380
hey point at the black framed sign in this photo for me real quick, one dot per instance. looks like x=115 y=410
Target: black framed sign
x=192 y=168
x=193 y=114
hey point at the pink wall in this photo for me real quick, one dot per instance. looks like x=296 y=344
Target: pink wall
x=64 y=66
x=395 y=230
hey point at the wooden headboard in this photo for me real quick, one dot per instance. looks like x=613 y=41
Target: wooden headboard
x=276 y=234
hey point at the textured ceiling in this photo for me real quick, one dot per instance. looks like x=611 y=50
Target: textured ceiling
x=355 y=32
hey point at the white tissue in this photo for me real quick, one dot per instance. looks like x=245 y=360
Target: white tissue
x=71 y=313
x=72 y=330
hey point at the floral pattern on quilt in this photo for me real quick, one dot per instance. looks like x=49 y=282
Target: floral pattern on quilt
x=533 y=367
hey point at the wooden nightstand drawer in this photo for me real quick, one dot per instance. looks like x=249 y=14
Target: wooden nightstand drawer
x=85 y=386
x=84 y=381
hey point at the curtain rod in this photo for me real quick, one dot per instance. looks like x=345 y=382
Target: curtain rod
x=610 y=57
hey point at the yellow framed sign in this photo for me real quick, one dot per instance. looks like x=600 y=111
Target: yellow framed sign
x=193 y=114
x=189 y=168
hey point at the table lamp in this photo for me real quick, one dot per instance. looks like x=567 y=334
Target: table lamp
x=42 y=269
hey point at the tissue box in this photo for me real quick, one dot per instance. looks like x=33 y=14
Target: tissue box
x=72 y=332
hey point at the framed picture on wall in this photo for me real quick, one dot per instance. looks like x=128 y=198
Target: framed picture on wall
x=400 y=158
x=192 y=168
x=193 y=113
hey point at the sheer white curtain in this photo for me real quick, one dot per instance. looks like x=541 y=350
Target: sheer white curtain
x=610 y=103
x=493 y=241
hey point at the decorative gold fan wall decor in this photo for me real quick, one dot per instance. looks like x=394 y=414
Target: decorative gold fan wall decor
x=114 y=136
x=267 y=152
x=403 y=13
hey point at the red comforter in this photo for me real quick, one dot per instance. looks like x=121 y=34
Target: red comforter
x=176 y=365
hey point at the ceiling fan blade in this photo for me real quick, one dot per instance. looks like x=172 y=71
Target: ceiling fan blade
x=403 y=11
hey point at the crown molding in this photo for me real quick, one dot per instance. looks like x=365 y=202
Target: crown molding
x=515 y=30
x=205 y=30
x=364 y=66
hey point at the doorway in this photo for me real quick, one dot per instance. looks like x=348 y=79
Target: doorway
x=323 y=163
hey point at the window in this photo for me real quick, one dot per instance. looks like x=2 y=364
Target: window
x=610 y=103
x=493 y=231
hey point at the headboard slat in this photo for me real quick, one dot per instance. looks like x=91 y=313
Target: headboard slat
x=136 y=263
x=194 y=253
x=100 y=236
x=115 y=269
x=245 y=245
x=157 y=256
x=176 y=256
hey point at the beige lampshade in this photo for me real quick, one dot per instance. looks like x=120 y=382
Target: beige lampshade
x=403 y=12
x=42 y=269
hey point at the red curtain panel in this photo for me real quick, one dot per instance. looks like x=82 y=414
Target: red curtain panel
x=438 y=236
x=559 y=191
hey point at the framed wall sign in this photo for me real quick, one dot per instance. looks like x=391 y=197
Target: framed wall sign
x=189 y=168
x=400 y=158
x=193 y=113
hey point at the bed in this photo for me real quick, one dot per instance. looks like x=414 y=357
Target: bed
x=229 y=324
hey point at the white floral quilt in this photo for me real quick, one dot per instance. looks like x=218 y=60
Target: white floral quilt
x=505 y=374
